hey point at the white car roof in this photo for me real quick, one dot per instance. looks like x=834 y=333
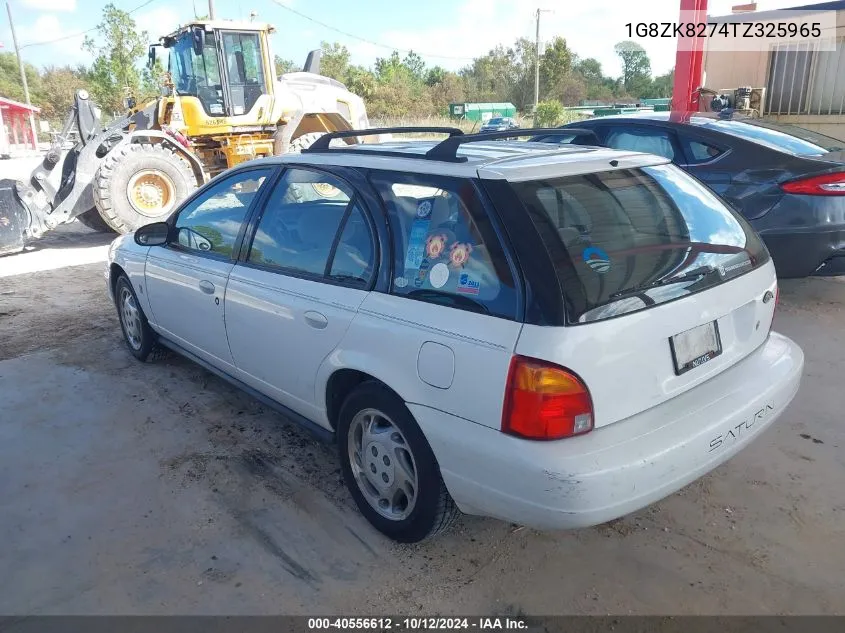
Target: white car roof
x=492 y=160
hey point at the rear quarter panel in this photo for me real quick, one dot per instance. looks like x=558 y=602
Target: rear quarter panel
x=385 y=340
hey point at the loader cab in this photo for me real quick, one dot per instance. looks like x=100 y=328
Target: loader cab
x=224 y=68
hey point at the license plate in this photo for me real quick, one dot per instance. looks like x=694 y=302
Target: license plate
x=693 y=348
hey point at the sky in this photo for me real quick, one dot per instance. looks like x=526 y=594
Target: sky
x=448 y=33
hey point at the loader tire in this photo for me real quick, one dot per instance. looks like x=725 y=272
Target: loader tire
x=139 y=183
x=91 y=218
x=302 y=142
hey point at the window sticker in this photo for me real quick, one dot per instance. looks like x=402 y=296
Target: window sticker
x=424 y=208
x=416 y=244
x=597 y=259
x=459 y=254
x=400 y=282
x=467 y=285
x=439 y=275
x=421 y=273
x=435 y=245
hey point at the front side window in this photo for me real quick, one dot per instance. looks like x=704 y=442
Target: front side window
x=445 y=248
x=242 y=52
x=198 y=75
x=312 y=225
x=211 y=222
x=648 y=141
x=627 y=240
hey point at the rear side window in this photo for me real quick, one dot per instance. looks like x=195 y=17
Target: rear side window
x=699 y=151
x=648 y=141
x=627 y=240
x=313 y=226
x=445 y=248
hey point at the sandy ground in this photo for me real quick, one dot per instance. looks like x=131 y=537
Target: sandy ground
x=157 y=489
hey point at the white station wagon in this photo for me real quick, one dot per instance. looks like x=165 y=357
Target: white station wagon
x=551 y=336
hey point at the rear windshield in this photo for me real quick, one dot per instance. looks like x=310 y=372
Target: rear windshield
x=627 y=240
x=785 y=138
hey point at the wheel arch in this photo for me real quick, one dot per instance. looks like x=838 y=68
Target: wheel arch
x=339 y=384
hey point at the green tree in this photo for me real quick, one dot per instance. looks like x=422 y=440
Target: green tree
x=415 y=65
x=435 y=76
x=489 y=78
x=117 y=50
x=59 y=87
x=10 y=79
x=555 y=68
x=662 y=86
x=548 y=114
x=283 y=66
x=590 y=69
x=360 y=81
x=636 y=67
x=334 y=61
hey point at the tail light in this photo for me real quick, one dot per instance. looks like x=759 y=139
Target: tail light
x=824 y=185
x=545 y=402
x=774 y=308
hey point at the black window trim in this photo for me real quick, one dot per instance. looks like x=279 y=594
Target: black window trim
x=251 y=228
x=172 y=241
x=685 y=137
x=499 y=234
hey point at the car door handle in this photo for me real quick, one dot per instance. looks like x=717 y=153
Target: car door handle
x=316 y=320
x=207 y=287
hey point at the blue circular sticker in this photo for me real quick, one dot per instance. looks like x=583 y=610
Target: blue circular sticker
x=596 y=259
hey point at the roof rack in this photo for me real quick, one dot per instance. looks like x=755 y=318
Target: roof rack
x=447 y=149
x=322 y=143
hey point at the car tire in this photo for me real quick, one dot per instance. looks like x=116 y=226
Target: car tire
x=389 y=467
x=137 y=333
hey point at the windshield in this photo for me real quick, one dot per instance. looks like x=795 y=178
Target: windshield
x=784 y=138
x=498 y=121
x=627 y=240
x=197 y=75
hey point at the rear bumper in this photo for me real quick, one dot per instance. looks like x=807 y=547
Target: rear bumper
x=619 y=468
x=805 y=253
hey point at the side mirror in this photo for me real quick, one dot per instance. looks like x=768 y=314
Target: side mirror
x=151 y=57
x=198 y=35
x=154 y=234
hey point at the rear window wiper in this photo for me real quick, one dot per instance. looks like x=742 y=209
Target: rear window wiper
x=694 y=274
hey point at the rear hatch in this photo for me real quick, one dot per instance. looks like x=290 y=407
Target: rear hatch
x=663 y=285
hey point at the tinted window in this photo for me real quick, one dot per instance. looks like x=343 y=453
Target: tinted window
x=699 y=151
x=312 y=225
x=445 y=249
x=625 y=240
x=496 y=121
x=649 y=141
x=210 y=223
x=783 y=138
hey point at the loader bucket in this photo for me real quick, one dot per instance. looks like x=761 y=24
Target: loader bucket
x=14 y=219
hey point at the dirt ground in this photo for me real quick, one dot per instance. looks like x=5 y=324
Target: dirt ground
x=158 y=489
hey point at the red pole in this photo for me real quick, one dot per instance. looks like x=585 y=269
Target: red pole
x=689 y=60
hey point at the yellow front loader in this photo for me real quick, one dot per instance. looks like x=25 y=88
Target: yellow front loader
x=221 y=104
